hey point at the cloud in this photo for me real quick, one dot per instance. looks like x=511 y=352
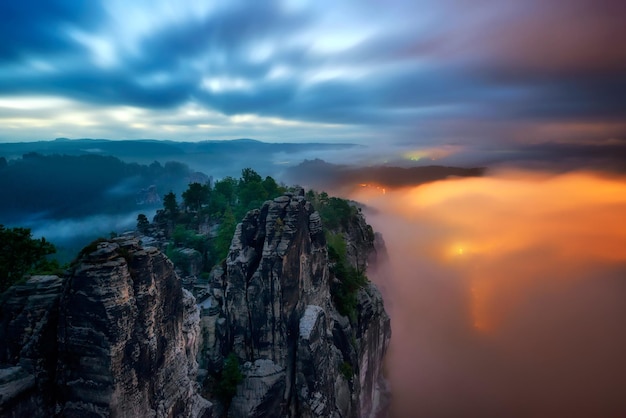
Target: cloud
x=34 y=29
x=405 y=71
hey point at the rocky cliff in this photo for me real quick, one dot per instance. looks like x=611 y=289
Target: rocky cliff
x=271 y=305
x=118 y=337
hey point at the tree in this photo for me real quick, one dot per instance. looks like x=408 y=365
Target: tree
x=272 y=188
x=251 y=191
x=335 y=212
x=169 y=203
x=196 y=195
x=142 y=223
x=231 y=376
x=248 y=175
x=227 y=187
x=225 y=234
x=21 y=254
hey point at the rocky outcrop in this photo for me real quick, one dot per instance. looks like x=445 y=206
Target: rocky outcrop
x=271 y=306
x=28 y=348
x=121 y=339
x=120 y=336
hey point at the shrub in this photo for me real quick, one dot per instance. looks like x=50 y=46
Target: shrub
x=346 y=370
x=229 y=379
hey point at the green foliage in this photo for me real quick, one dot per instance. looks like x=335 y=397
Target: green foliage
x=169 y=203
x=182 y=237
x=346 y=370
x=336 y=246
x=227 y=187
x=196 y=196
x=225 y=234
x=230 y=378
x=349 y=278
x=176 y=257
x=227 y=201
x=336 y=212
x=142 y=223
x=344 y=292
x=248 y=176
x=272 y=188
x=251 y=191
x=21 y=254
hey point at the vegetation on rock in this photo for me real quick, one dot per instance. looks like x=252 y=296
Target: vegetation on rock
x=20 y=254
x=217 y=206
x=229 y=379
x=337 y=214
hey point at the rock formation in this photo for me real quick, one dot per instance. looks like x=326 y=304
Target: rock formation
x=271 y=306
x=116 y=338
x=28 y=347
x=120 y=336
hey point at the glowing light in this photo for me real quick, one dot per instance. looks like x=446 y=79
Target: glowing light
x=522 y=230
x=433 y=153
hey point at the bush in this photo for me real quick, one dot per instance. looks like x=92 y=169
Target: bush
x=346 y=370
x=349 y=279
x=229 y=379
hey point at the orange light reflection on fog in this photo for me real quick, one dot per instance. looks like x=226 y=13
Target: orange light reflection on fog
x=513 y=231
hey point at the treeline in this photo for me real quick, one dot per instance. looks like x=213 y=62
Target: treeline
x=223 y=204
x=21 y=254
x=64 y=186
x=218 y=207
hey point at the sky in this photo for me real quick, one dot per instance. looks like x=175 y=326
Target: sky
x=418 y=73
x=507 y=288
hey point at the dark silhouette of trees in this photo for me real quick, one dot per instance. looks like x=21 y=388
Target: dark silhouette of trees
x=223 y=204
x=21 y=254
x=196 y=196
x=170 y=204
x=231 y=376
x=142 y=223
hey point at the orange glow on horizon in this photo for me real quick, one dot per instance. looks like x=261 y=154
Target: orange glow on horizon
x=432 y=153
x=512 y=232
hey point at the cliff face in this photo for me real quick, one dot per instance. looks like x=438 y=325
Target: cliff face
x=271 y=306
x=121 y=337
x=28 y=348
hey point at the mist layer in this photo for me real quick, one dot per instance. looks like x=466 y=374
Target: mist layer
x=507 y=295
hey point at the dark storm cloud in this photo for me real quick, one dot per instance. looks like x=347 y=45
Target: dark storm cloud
x=102 y=87
x=227 y=32
x=39 y=27
x=413 y=70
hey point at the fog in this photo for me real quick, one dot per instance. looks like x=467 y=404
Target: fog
x=507 y=294
x=70 y=235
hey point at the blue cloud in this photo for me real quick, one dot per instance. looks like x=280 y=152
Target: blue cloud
x=39 y=28
x=403 y=68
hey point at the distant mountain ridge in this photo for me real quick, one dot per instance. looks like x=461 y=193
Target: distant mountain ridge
x=150 y=149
